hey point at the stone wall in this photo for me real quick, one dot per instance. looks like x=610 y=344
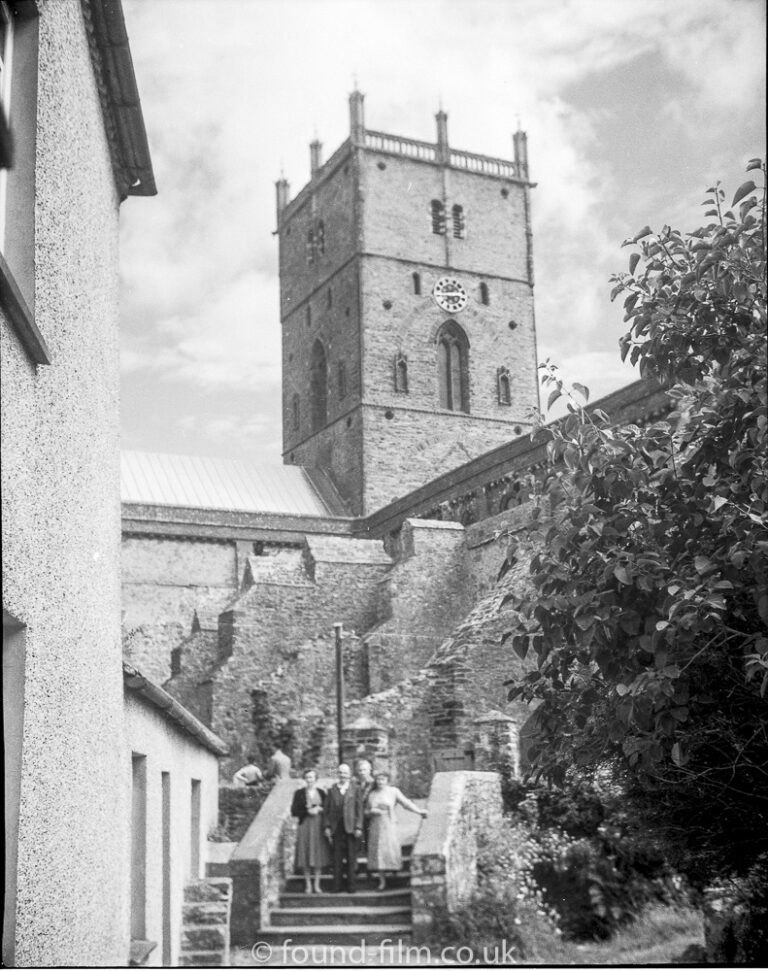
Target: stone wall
x=166 y=582
x=462 y=807
x=424 y=595
x=238 y=806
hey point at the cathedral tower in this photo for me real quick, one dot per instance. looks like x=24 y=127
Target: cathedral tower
x=406 y=302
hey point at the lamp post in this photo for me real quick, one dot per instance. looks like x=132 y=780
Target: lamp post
x=339 y=690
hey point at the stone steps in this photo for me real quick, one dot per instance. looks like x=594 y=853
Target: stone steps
x=348 y=916
x=397 y=897
x=205 y=923
x=300 y=935
x=368 y=916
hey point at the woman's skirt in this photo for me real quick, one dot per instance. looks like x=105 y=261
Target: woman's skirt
x=312 y=848
x=384 y=844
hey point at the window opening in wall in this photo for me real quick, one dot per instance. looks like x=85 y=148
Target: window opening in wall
x=485 y=296
x=320 y=236
x=453 y=367
x=318 y=383
x=165 y=844
x=295 y=413
x=401 y=373
x=458 y=221
x=503 y=386
x=438 y=217
x=329 y=298
x=6 y=56
x=342 y=379
x=195 y=806
x=308 y=315
x=138 y=847
x=14 y=665
x=417 y=284
x=310 y=246
x=175 y=661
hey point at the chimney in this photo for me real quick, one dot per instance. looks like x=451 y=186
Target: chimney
x=282 y=194
x=443 y=152
x=520 y=141
x=315 y=157
x=356 y=117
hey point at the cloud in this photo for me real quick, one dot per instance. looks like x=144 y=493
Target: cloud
x=631 y=109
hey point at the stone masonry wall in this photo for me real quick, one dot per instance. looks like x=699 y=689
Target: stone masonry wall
x=424 y=595
x=164 y=583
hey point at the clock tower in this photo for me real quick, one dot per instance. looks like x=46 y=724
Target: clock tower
x=406 y=303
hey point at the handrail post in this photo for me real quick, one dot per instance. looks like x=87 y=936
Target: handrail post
x=339 y=690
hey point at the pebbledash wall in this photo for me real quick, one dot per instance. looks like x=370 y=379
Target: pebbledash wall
x=68 y=811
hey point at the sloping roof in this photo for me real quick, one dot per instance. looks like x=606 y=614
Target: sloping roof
x=193 y=481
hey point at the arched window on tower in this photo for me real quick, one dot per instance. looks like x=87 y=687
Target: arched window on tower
x=417 y=284
x=320 y=236
x=438 y=217
x=310 y=246
x=504 y=387
x=318 y=386
x=453 y=367
x=485 y=294
x=401 y=373
x=458 y=221
x=295 y=413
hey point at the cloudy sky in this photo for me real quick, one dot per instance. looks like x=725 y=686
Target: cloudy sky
x=632 y=110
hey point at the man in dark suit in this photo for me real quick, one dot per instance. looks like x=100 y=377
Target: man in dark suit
x=343 y=826
x=364 y=774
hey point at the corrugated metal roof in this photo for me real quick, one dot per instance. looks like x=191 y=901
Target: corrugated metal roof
x=207 y=483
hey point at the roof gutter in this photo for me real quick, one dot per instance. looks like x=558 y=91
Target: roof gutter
x=121 y=106
x=134 y=680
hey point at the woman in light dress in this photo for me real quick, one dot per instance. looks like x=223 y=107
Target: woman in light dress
x=312 y=851
x=384 y=853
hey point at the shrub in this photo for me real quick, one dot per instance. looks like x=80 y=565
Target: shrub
x=506 y=906
x=592 y=863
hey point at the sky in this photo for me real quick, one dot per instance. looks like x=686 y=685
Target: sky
x=632 y=109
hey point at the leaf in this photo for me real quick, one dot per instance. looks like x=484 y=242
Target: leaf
x=645 y=231
x=702 y=564
x=582 y=389
x=633 y=261
x=754 y=163
x=557 y=393
x=622 y=575
x=742 y=191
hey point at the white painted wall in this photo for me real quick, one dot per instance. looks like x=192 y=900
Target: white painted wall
x=169 y=749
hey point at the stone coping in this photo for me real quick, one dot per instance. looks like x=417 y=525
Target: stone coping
x=446 y=795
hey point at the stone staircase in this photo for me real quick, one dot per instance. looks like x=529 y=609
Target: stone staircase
x=368 y=916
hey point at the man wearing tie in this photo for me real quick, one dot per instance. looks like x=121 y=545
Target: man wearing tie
x=343 y=826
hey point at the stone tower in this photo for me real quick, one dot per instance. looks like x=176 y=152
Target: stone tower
x=406 y=301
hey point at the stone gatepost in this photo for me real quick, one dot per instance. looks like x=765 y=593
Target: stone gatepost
x=364 y=739
x=497 y=744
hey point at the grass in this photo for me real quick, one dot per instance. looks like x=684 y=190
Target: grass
x=658 y=936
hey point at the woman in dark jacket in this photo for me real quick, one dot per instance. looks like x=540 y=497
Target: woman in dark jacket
x=312 y=850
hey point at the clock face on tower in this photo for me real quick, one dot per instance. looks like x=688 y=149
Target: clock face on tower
x=450 y=295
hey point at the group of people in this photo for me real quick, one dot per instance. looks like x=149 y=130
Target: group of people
x=279 y=767
x=352 y=815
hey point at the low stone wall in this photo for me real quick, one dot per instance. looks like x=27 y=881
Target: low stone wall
x=205 y=923
x=238 y=806
x=461 y=807
x=261 y=862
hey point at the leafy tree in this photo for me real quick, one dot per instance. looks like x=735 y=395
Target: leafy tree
x=649 y=611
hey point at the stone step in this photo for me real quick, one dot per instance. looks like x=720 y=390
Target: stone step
x=206 y=937
x=349 y=917
x=205 y=912
x=210 y=889
x=400 y=880
x=201 y=959
x=363 y=898
x=365 y=934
